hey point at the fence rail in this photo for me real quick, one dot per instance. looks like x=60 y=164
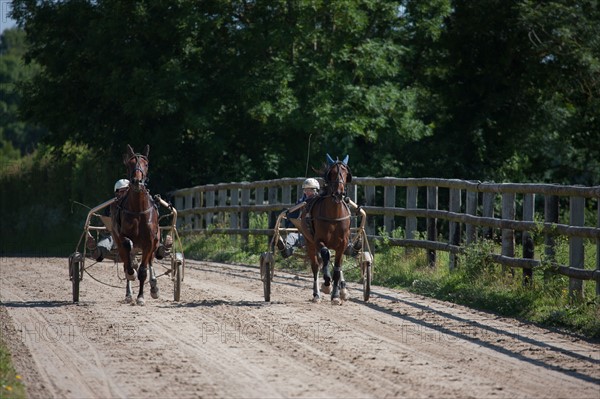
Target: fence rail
x=449 y=212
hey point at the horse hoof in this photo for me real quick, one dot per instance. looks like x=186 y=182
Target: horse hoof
x=154 y=292
x=128 y=299
x=316 y=299
x=336 y=301
x=140 y=301
x=326 y=289
x=344 y=294
x=131 y=277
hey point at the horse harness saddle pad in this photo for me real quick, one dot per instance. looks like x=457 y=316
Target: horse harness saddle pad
x=306 y=226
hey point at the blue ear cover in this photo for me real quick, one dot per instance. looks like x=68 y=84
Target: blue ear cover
x=330 y=160
x=345 y=161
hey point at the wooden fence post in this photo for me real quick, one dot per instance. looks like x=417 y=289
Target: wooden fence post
x=411 y=221
x=351 y=192
x=245 y=218
x=222 y=202
x=550 y=216
x=472 y=197
x=259 y=199
x=389 y=201
x=370 y=201
x=454 y=227
x=198 y=196
x=189 y=204
x=432 y=204
x=508 y=235
x=526 y=240
x=235 y=201
x=179 y=202
x=210 y=202
x=272 y=199
x=576 y=218
x=488 y=212
x=286 y=195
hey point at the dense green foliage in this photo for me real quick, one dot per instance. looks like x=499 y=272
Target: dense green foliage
x=16 y=136
x=45 y=199
x=503 y=90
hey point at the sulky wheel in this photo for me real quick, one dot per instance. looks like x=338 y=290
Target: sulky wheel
x=75 y=273
x=366 y=281
x=177 y=270
x=366 y=268
x=266 y=273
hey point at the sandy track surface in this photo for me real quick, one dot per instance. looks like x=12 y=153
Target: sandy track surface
x=223 y=340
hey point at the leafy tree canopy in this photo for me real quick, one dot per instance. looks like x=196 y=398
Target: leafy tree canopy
x=236 y=90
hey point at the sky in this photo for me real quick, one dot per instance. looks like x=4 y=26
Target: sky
x=5 y=22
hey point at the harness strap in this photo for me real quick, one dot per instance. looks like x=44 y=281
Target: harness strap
x=136 y=213
x=333 y=220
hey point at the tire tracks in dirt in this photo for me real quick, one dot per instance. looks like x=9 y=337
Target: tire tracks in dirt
x=223 y=340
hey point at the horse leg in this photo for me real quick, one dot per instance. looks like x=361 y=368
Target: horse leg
x=129 y=259
x=326 y=286
x=142 y=278
x=344 y=294
x=153 y=282
x=128 y=292
x=315 y=270
x=337 y=276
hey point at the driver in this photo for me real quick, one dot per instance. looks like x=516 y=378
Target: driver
x=106 y=245
x=310 y=189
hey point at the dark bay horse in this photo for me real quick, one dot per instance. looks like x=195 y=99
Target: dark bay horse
x=329 y=219
x=135 y=225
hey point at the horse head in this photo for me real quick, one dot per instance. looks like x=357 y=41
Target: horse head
x=337 y=176
x=137 y=167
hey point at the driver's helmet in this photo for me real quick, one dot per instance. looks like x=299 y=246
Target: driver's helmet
x=311 y=183
x=122 y=183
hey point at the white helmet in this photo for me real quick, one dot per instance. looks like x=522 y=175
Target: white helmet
x=123 y=183
x=311 y=183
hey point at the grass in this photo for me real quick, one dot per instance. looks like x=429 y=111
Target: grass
x=476 y=282
x=10 y=382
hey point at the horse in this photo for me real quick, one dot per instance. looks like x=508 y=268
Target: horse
x=135 y=225
x=329 y=220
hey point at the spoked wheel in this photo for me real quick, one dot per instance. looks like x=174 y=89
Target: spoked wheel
x=366 y=268
x=75 y=273
x=266 y=273
x=367 y=281
x=177 y=269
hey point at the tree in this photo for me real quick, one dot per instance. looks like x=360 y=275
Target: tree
x=513 y=93
x=231 y=90
x=16 y=136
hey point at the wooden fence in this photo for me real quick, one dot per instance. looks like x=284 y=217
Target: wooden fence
x=448 y=212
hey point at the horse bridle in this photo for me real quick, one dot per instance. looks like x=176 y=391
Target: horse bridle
x=337 y=197
x=142 y=181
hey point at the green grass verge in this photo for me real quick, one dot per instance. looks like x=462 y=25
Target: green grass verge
x=477 y=282
x=10 y=382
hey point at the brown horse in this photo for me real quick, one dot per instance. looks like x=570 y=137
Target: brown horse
x=329 y=220
x=135 y=225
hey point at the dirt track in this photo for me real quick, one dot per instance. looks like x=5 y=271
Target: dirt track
x=222 y=340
